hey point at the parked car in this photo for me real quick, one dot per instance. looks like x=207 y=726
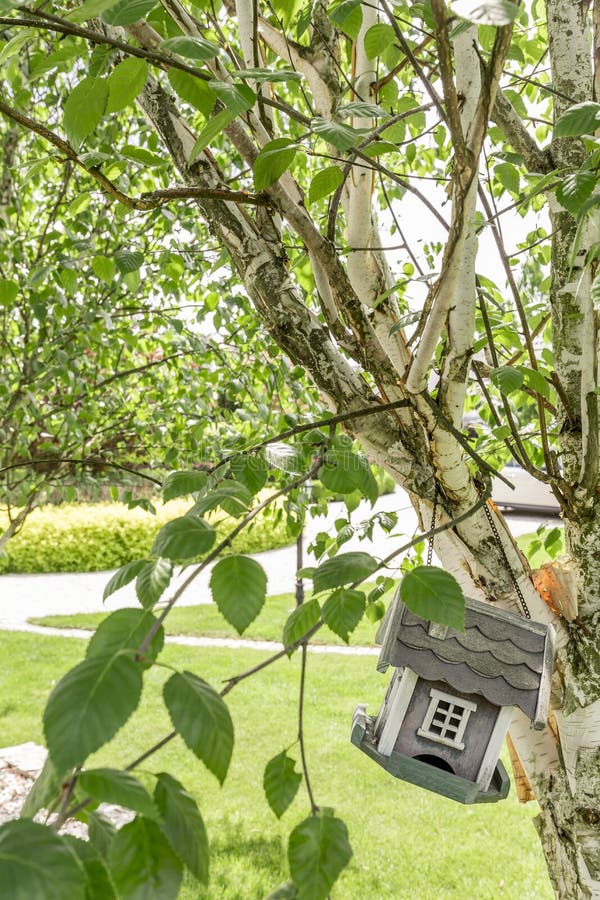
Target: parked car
x=528 y=493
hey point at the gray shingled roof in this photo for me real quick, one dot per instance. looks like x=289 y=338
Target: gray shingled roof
x=503 y=657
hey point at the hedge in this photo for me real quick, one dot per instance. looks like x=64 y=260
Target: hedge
x=86 y=537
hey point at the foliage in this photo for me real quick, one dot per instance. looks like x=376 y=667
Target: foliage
x=248 y=843
x=92 y=537
x=219 y=127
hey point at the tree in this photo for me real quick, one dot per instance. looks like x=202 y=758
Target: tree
x=292 y=128
x=101 y=355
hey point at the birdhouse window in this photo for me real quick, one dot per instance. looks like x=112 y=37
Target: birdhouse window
x=446 y=719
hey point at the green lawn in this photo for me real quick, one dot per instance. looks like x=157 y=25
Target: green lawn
x=205 y=620
x=408 y=844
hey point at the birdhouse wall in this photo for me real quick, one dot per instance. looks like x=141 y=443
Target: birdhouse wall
x=475 y=738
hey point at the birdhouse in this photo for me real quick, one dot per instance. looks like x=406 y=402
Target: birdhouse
x=447 y=709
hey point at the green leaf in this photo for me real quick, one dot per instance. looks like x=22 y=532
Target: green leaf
x=143 y=156
x=202 y=719
x=535 y=381
x=16 y=44
x=251 y=471
x=272 y=161
x=488 y=12
x=508 y=176
x=85 y=106
x=433 y=594
x=343 y=610
x=211 y=130
x=125 y=629
x=125 y=82
x=281 y=782
x=152 y=581
x=101 y=833
x=341 y=136
x=362 y=109
x=318 y=851
x=300 y=621
x=35 y=862
x=184 y=538
x=125 y=574
x=182 y=484
x=116 y=786
x=575 y=190
x=348 y=17
x=125 y=12
x=233 y=497
x=104 y=269
x=99 y=885
x=193 y=90
x=269 y=75
x=92 y=9
x=183 y=824
x=239 y=588
x=129 y=260
x=236 y=97
x=344 y=568
x=9 y=291
x=377 y=39
x=45 y=788
x=507 y=379
x=284 y=457
x=325 y=182
x=142 y=864
x=344 y=471
x=89 y=705
x=582 y=118
x=190 y=47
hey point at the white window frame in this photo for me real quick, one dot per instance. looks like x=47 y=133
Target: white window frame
x=458 y=708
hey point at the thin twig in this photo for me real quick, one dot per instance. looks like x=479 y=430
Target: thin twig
x=78 y=461
x=317 y=423
x=314 y=809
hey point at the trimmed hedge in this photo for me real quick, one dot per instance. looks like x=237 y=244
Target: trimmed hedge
x=91 y=537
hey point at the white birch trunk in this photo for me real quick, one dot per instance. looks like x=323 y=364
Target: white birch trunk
x=416 y=447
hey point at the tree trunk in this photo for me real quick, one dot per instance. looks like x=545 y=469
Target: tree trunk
x=419 y=445
x=344 y=323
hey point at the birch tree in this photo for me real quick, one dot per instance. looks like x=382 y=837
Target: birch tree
x=311 y=139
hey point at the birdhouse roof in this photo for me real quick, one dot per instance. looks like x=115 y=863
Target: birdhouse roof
x=503 y=657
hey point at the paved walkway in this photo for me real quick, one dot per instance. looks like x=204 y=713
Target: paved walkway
x=28 y=596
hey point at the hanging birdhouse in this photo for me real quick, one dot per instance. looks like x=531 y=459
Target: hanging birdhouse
x=448 y=706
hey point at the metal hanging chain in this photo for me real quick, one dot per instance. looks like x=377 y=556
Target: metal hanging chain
x=490 y=519
x=432 y=526
x=518 y=590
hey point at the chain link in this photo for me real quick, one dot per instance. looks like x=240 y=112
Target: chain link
x=432 y=526
x=518 y=590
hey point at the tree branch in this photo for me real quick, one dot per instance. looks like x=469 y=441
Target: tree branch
x=508 y=120
x=149 y=200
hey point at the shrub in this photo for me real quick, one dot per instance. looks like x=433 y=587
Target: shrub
x=86 y=537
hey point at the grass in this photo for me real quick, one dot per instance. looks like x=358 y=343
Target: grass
x=407 y=842
x=205 y=620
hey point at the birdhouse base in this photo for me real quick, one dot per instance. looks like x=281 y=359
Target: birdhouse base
x=423 y=774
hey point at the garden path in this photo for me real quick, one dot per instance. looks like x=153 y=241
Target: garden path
x=26 y=596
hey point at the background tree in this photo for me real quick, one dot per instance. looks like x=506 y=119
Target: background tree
x=112 y=368
x=294 y=128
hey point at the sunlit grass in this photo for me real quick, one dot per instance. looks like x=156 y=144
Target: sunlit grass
x=205 y=620
x=408 y=844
